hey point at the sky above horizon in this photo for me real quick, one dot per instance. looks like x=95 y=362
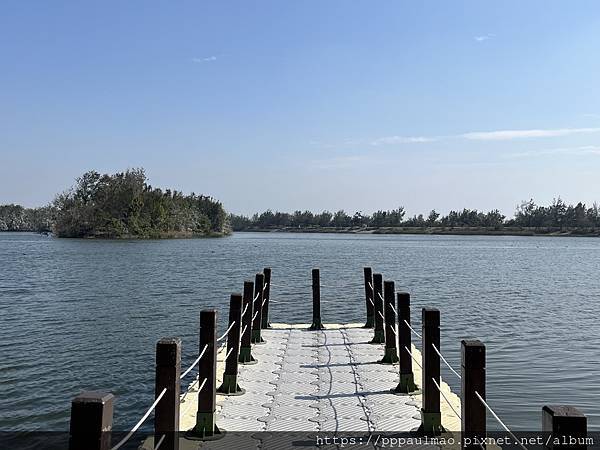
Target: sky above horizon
x=305 y=105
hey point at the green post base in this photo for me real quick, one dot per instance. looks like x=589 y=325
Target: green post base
x=256 y=337
x=206 y=429
x=265 y=323
x=407 y=384
x=378 y=337
x=246 y=356
x=390 y=356
x=370 y=322
x=230 y=386
x=317 y=325
x=431 y=423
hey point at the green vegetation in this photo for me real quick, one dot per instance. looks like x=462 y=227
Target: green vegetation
x=122 y=205
x=529 y=218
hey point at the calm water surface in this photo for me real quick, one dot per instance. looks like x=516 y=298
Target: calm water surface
x=79 y=314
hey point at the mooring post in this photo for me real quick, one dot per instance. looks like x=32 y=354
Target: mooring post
x=368 y=272
x=91 y=421
x=379 y=335
x=259 y=281
x=391 y=351
x=407 y=378
x=267 y=296
x=431 y=417
x=564 y=427
x=317 y=324
x=206 y=428
x=230 y=376
x=166 y=413
x=473 y=415
x=246 y=338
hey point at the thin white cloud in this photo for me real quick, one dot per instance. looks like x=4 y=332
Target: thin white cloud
x=484 y=37
x=505 y=135
x=338 y=162
x=204 y=59
x=581 y=150
x=391 y=140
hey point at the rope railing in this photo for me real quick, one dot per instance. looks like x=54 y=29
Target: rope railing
x=489 y=408
x=393 y=330
x=446 y=362
x=254 y=316
x=414 y=359
x=228 y=353
x=245 y=309
x=413 y=330
x=256 y=297
x=189 y=369
x=141 y=421
x=224 y=335
x=243 y=330
x=382 y=316
x=186 y=410
x=160 y=441
x=221 y=348
x=446 y=398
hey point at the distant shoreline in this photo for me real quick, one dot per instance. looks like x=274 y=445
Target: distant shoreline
x=456 y=231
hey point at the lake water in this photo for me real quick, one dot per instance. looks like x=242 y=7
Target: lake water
x=85 y=314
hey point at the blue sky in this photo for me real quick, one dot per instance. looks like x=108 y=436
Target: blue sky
x=305 y=105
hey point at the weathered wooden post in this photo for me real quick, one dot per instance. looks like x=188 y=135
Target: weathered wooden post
x=473 y=415
x=91 y=421
x=259 y=281
x=391 y=352
x=407 y=378
x=205 y=427
x=166 y=413
x=564 y=427
x=230 y=376
x=246 y=339
x=431 y=417
x=379 y=335
x=368 y=272
x=267 y=296
x=317 y=324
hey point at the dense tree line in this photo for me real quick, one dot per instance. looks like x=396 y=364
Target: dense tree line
x=18 y=218
x=555 y=217
x=125 y=205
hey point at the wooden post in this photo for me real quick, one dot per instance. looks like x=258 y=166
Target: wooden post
x=379 y=335
x=205 y=427
x=267 y=296
x=407 y=378
x=166 y=413
x=246 y=339
x=565 y=427
x=91 y=421
x=317 y=324
x=259 y=283
x=230 y=376
x=473 y=415
x=431 y=417
x=368 y=272
x=391 y=352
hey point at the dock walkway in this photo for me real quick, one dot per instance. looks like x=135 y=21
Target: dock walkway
x=326 y=380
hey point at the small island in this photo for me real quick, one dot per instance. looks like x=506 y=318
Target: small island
x=120 y=206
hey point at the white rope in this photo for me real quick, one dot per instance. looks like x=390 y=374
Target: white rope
x=229 y=353
x=414 y=359
x=142 y=420
x=244 y=330
x=499 y=421
x=254 y=316
x=446 y=362
x=220 y=349
x=226 y=332
x=393 y=309
x=412 y=329
x=393 y=330
x=369 y=298
x=185 y=411
x=445 y=398
x=256 y=297
x=265 y=286
x=263 y=302
x=379 y=312
x=160 y=442
x=194 y=363
x=245 y=309
x=370 y=285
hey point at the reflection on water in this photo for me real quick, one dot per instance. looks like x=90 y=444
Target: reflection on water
x=82 y=315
